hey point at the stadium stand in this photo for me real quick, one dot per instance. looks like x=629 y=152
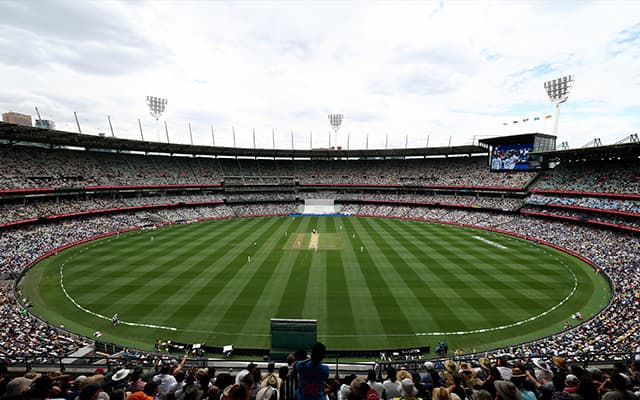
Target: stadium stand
x=82 y=198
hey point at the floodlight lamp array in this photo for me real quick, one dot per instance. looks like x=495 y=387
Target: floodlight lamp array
x=336 y=120
x=156 y=106
x=558 y=89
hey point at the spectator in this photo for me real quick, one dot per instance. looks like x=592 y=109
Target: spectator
x=312 y=374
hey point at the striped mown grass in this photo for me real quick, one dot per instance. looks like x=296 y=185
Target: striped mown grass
x=373 y=283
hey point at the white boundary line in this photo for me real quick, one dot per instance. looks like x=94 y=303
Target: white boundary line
x=95 y=314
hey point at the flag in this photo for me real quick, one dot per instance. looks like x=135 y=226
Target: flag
x=547 y=116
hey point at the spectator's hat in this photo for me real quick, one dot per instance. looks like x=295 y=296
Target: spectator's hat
x=32 y=375
x=517 y=373
x=99 y=371
x=372 y=395
x=429 y=365
x=571 y=380
x=451 y=366
x=407 y=388
x=507 y=390
x=402 y=374
x=484 y=363
x=272 y=380
x=120 y=375
x=559 y=362
x=464 y=367
x=17 y=387
x=58 y=375
x=80 y=379
x=505 y=372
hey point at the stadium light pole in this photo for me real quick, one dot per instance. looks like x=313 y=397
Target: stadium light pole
x=157 y=106
x=110 y=126
x=336 y=121
x=558 y=91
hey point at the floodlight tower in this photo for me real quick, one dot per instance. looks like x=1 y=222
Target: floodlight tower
x=558 y=91
x=156 y=108
x=336 y=121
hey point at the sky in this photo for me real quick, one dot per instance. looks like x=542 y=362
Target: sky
x=403 y=73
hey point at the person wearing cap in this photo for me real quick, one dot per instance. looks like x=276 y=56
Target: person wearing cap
x=312 y=374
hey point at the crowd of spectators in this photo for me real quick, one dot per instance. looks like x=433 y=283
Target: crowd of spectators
x=606 y=177
x=622 y=221
x=31 y=167
x=21 y=334
x=36 y=208
x=597 y=203
x=470 y=379
x=24 y=210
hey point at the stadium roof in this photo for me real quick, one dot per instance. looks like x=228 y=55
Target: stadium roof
x=515 y=139
x=13 y=134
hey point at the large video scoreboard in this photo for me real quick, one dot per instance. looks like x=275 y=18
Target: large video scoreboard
x=509 y=153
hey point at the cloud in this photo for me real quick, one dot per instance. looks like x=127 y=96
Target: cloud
x=91 y=38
